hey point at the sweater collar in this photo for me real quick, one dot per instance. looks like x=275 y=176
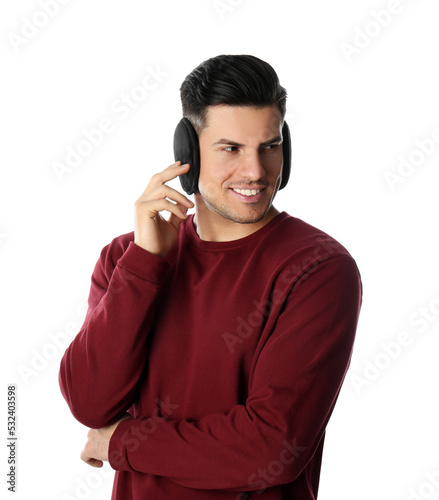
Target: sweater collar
x=192 y=235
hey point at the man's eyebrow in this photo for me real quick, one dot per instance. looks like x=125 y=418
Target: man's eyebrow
x=229 y=142
x=278 y=138
x=224 y=140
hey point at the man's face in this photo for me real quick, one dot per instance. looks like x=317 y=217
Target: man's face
x=241 y=161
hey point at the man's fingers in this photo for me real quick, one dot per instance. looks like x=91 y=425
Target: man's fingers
x=154 y=207
x=94 y=462
x=164 y=191
x=169 y=173
x=175 y=220
x=90 y=450
x=176 y=196
x=157 y=190
x=151 y=231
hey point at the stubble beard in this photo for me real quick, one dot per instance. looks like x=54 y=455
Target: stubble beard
x=225 y=211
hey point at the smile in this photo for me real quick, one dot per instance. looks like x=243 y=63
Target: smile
x=247 y=192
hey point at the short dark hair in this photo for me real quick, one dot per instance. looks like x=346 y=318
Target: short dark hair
x=235 y=80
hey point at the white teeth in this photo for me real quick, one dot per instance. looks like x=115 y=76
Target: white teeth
x=247 y=192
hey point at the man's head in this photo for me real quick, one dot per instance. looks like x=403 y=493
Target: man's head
x=234 y=80
x=237 y=108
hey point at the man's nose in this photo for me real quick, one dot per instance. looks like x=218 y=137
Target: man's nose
x=251 y=166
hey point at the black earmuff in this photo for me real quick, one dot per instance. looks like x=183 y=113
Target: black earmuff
x=187 y=150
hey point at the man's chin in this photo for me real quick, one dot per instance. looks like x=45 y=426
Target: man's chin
x=240 y=213
x=246 y=220
x=249 y=216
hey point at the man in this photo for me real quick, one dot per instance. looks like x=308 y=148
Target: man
x=215 y=345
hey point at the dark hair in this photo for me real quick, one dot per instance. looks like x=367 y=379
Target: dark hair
x=235 y=80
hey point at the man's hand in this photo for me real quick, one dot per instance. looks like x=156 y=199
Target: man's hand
x=95 y=451
x=151 y=231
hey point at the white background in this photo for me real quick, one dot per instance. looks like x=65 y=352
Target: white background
x=352 y=118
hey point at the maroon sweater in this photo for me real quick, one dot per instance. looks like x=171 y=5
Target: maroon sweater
x=229 y=356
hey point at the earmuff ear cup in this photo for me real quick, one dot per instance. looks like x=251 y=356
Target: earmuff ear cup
x=187 y=150
x=286 y=146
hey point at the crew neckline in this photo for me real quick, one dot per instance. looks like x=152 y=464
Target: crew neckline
x=193 y=237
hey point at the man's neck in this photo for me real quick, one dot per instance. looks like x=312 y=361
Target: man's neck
x=211 y=226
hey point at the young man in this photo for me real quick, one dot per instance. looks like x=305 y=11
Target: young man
x=216 y=344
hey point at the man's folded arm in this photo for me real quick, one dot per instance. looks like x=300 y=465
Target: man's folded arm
x=100 y=369
x=292 y=392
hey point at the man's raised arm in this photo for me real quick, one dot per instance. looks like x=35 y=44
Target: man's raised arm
x=100 y=369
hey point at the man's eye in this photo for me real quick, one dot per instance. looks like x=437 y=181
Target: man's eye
x=230 y=149
x=271 y=146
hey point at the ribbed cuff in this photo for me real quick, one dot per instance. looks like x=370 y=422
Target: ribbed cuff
x=143 y=264
x=119 y=442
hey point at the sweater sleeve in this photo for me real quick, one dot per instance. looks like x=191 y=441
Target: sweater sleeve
x=100 y=369
x=293 y=390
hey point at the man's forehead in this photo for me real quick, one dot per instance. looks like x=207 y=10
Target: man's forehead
x=265 y=120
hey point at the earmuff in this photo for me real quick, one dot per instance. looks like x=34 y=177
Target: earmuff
x=187 y=150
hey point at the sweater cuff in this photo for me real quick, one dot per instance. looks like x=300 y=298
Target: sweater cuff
x=143 y=264
x=117 y=449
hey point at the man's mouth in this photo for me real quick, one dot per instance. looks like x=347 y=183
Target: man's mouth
x=247 y=192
